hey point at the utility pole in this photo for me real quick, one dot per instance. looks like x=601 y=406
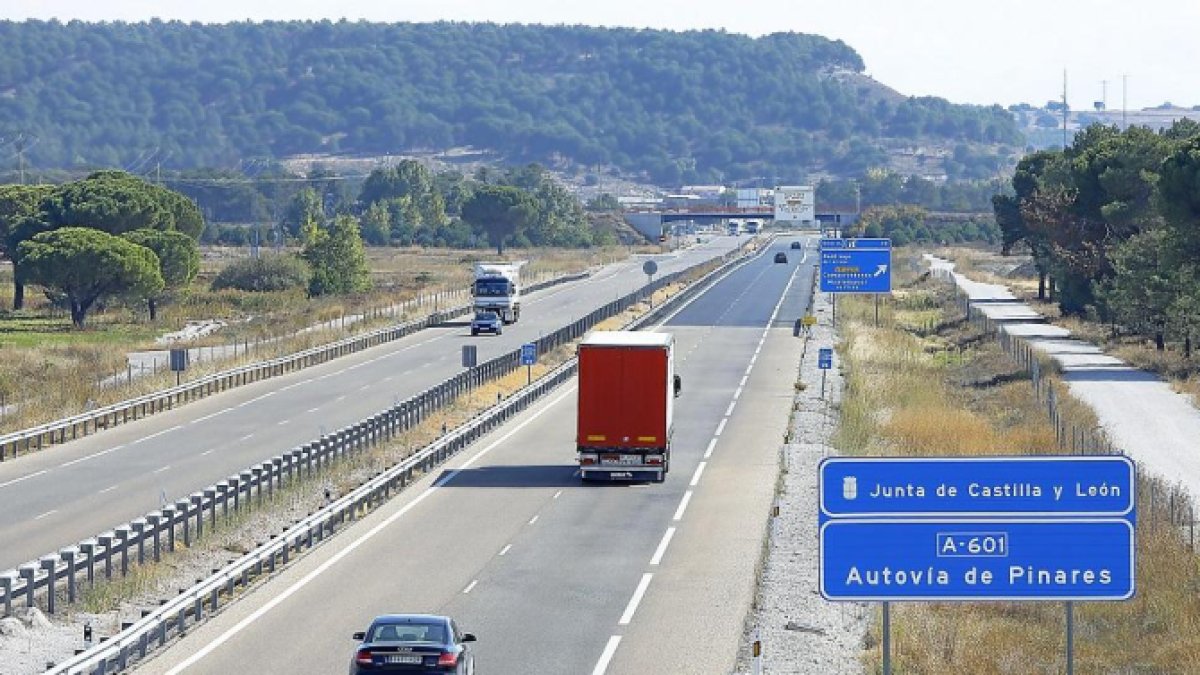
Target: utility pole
x=21 y=144
x=1124 y=100
x=1065 y=109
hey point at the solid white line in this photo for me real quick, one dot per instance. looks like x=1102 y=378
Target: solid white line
x=108 y=489
x=162 y=469
x=557 y=494
x=699 y=472
x=638 y=594
x=711 y=444
x=504 y=550
x=51 y=511
x=470 y=586
x=609 y=650
x=721 y=426
x=662 y=546
x=687 y=497
x=534 y=519
x=729 y=410
x=352 y=546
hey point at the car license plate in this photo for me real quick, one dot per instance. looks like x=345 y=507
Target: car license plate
x=403 y=658
x=621 y=460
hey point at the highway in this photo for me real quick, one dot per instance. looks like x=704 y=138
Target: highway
x=62 y=495
x=555 y=576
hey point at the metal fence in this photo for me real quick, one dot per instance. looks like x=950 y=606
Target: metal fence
x=147 y=538
x=71 y=428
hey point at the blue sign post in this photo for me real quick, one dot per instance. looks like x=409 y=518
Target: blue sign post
x=856 y=265
x=528 y=358
x=1047 y=528
x=824 y=362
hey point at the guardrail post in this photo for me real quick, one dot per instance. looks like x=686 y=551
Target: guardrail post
x=235 y=484
x=122 y=533
x=68 y=556
x=168 y=513
x=88 y=549
x=198 y=502
x=277 y=472
x=210 y=494
x=246 y=478
x=106 y=541
x=51 y=566
x=223 y=490
x=6 y=582
x=29 y=572
x=155 y=520
x=184 y=512
x=139 y=528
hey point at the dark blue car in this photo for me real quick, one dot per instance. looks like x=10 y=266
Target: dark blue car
x=413 y=643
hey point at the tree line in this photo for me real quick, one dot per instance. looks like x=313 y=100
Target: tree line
x=1113 y=224
x=672 y=107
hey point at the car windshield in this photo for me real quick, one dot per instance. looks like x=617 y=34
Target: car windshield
x=408 y=632
x=492 y=287
x=485 y=316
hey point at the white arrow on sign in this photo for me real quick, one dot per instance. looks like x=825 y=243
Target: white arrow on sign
x=882 y=269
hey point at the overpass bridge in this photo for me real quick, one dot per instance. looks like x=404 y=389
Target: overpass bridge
x=653 y=222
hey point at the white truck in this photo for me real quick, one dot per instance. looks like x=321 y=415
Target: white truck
x=497 y=288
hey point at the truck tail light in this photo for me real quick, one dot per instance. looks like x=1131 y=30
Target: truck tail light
x=587 y=460
x=654 y=459
x=448 y=659
x=363 y=657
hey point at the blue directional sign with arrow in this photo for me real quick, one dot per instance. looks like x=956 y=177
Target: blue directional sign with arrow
x=856 y=265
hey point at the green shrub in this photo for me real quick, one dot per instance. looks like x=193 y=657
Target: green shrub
x=264 y=274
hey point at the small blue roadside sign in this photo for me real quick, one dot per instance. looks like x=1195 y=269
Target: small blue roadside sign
x=825 y=358
x=987 y=528
x=528 y=354
x=856 y=265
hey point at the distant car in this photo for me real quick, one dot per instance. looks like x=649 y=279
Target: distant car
x=797 y=245
x=413 y=643
x=486 y=322
x=781 y=257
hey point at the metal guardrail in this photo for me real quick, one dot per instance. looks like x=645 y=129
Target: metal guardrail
x=71 y=428
x=156 y=627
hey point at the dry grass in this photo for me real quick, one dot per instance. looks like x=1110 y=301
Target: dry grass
x=953 y=392
x=39 y=344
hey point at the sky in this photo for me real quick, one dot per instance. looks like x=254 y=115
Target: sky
x=968 y=51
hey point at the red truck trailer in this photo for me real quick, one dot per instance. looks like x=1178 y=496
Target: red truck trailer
x=627 y=387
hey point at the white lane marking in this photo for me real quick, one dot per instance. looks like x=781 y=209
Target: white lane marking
x=206 y=453
x=50 y=512
x=353 y=546
x=638 y=594
x=687 y=497
x=27 y=477
x=156 y=435
x=737 y=393
x=257 y=398
x=364 y=387
x=209 y=417
x=743 y=382
x=313 y=410
x=662 y=546
x=729 y=410
x=699 y=472
x=711 y=445
x=340 y=398
x=246 y=437
x=748 y=369
x=506 y=549
x=609 y=650
x=84 y=459
x=557 y=494
x=721 y=427
x=283 y=422
x=108 y=489
x=470 y=586
x=162 y=469
x=534 y=519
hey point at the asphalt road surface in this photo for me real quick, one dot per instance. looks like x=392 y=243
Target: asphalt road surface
x=555 y=576
x=62 y=495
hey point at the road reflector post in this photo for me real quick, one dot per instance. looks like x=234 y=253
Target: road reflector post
x=756 y=649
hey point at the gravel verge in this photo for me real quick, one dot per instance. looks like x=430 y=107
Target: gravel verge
x=801 y=632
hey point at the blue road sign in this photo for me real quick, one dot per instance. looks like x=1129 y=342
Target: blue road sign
x=977 y=528
x=898 y=559
x=856 y=265
x=528 y=354
x=984 y=486
x=825 y=358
